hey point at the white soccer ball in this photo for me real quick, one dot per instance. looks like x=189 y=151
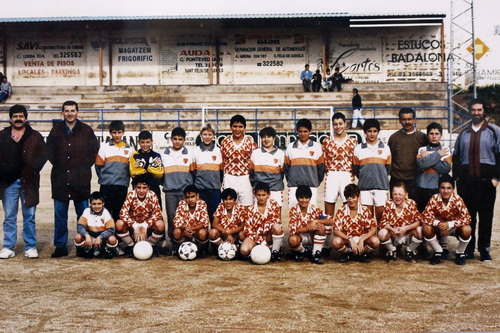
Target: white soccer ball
x=143 y=250
x=227 y=251
x=188 y=251
x=260 y=255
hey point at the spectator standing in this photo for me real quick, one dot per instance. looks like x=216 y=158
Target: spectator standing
x=306 y=77
x=356 y=109
x=72 y=148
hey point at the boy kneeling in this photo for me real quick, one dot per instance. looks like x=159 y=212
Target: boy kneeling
x=307 y=226
x=140 y=216
x=95 y=230
x=191 y=220
x=446 y=214
x=263 y=224
x=354 y=228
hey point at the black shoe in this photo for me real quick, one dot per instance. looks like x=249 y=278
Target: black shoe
x=129 y=251
x=436 y=258
x=298 y=256
x=469 y=255
x=485 y=256
x=108 y=253
x=316 y=259
x=460 y=259
x=365 y=258
x=276 y=256
x=156 y=252
x=390 y=256
x=80 y=252
x=423 y=253
x=344 y=257
x=446 y=255
x=89 y=254
x=59 y=252
x=98 y=253
x=325 y=252
x=308 y=254
x=411 y=256
x=201 y=254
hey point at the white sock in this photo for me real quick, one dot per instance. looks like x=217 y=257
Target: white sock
x=277 y=240
x=435 y=244
x=217 y=241
x=414 y=243
x=318 y=241
x=462 y=244
x=125 y=237
x=154 y=239
x=389 y=246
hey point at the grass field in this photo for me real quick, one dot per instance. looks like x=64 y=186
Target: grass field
x=207 y=295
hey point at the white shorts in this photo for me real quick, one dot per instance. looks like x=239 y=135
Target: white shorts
x=376 y=198
x=335 y=183
x=403 y=240
x=292 y=200
x=306 y=239
x=278 y=197
x=242 y=186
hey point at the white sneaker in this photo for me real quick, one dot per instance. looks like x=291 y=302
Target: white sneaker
x=6 y=253
x=31 y=253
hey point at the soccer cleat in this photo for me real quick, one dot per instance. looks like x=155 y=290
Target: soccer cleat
x=129 y=251
x=107 y=254
x=80 y=252
x=59 y=252
x=460 y=259
x=344 y=257
x=411 y=256
x=325 y=252
x=156 y=251
x=469 y=255
x=365 y=258
x=436 y=258
x=298 y=256
x=316 y=259
x=390 y=256
x=446 y=255
x=89 y=254
x=308 y=254
x=276 y=256
x=7 y=253
x=485 y=256
x=98 y=253
x=31 y=253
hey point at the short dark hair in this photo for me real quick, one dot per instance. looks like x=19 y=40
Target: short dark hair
x=116 y=125
x=303 y=191
x=338 y=115
x=238 y=119
x=267 y=131
x=178 y=131
x=229 y=193
x=446 y=178
x=434 y=125
x=144 y=135
x=96 y=196
x=403 y=111
x=307 y=65
x=70 y=103
x=190 y=189
x=369 y=123
x=478 y=101
x=355 y=90
x=400 y=184
x=304 y=122
x=351 y=190
x=18 y=108
x=262 y=187
x=144 y=179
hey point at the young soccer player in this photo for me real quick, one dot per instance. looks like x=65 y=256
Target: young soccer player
x=96 y=230
x=307 y=226
x=433 y=161
x=354 y=228
x=140 y=216
x=263 y=224
x=112 y=168
x=372 y=164
x=267 y=165
x=147 y=161
x=208 y=170
x=179 y=168
x=236 y=151
x=304 y=163
x=191 y=220
x=400 y=224
x=229 y=219
x=446 y=214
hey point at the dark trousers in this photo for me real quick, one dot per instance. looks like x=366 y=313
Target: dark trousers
x=423 y=195
x=114 y=197
x=172 y=199
x=410 y=185
x=212 y=198
x=479 y=197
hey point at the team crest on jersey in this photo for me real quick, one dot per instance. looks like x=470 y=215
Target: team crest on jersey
x=380 y=151
x=185 y=160
x=102 y=220
x=125 y=152
x=275 y=161
x=311 y=153
x=214 y=158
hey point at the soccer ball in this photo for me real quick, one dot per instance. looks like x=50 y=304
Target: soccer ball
x=188 y=251
x=227 y=251
x=143 y=250
x=260 y=255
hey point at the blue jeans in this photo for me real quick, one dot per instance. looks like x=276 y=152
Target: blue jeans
x=10 y=202
x=61 y=220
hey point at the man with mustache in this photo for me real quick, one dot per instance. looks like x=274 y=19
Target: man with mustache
x=22 y=156
x=476 y=166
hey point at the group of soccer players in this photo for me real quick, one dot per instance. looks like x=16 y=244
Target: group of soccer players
x=247 y=211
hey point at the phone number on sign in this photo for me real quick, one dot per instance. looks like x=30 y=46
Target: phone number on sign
x=272 y=63
x=68 y=55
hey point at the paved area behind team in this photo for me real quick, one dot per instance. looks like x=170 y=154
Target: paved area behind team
x=166 y=294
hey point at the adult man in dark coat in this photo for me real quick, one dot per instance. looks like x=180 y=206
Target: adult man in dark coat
x=22 y=155
x=72 y=147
